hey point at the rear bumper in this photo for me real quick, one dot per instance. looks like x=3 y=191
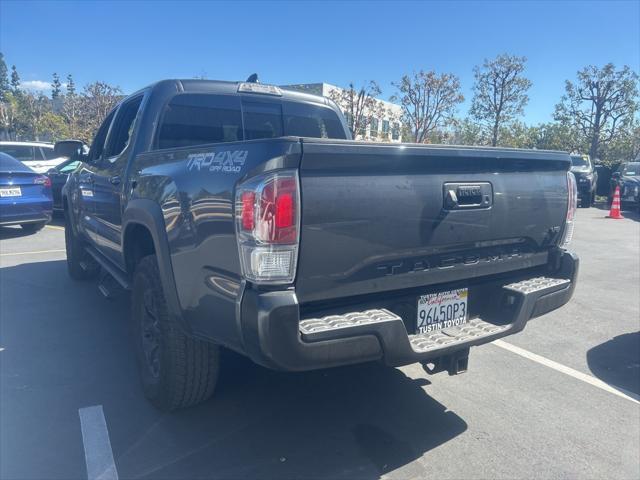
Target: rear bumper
x=26 y=213
x=275 y=336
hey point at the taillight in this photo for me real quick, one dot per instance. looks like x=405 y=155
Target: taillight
x=572 y=205
x=42 y=180
x=267 y=225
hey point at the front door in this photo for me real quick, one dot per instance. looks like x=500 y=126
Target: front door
x=109 y=180
x=85 y=201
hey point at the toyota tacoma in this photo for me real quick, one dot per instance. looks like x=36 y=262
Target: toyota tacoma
x=242 y=216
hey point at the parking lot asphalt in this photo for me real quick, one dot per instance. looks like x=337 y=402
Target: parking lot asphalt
x=559 y=400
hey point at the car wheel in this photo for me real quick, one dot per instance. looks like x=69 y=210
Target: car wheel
x=176 y=370
x=593 y=199
x=33 y=227
x=80 y=265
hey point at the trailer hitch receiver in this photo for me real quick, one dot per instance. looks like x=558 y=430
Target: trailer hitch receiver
x=454 y=363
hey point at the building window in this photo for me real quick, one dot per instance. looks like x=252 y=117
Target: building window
x=395 y=133
x=374 y=127
x=385 y=126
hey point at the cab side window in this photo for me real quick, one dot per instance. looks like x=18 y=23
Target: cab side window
x=97 y=147
x=123 y=126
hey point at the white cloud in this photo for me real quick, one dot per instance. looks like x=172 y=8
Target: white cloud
x=36 y=86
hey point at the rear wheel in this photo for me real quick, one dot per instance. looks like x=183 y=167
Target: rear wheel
x=80 y=265
x=33 y=227
x=176 y=370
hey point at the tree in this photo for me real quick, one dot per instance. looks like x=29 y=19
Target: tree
x=15 y=81
x=56 y=87
x=468 y=132
x=428 y=101
x=557 y=136
x=499 y=92
x=625 y=147
x=360 y=106
x=32 y=110
x=600 y=105
x=96 y=102
x=4 y=79
x=71 y=108
x=71 y=86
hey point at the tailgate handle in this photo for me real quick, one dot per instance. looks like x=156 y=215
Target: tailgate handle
x=463 y=196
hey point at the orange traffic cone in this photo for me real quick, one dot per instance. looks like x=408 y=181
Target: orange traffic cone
x=615 y=205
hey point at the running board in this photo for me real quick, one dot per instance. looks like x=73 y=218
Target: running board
x=115 y=272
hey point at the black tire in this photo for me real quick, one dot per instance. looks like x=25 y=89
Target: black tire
x=593 y=199
x=176 y=370
x=80 y=265
x=33 y=227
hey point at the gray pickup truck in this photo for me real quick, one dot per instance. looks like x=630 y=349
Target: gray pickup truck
x=243 y=216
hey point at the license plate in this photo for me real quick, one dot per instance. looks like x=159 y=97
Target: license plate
x=10 y=192
x=442 y=310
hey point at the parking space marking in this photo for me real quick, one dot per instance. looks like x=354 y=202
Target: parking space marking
x=620 y=392
x=32 y=253
x=55 y=227
x=97 y=447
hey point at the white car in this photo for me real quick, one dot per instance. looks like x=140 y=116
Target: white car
x=38 y=156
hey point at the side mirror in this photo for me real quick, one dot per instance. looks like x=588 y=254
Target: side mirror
x=73 y=149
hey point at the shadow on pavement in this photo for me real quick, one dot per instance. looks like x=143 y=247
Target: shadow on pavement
x=353 y=422
x=617 y=362
x=14 y=232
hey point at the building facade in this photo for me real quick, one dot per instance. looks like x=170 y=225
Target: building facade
x=382 y=121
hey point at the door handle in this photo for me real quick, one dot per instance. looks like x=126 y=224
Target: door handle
x=115 y=180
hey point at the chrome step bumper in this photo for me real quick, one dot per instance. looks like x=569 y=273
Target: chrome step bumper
x=275 y=336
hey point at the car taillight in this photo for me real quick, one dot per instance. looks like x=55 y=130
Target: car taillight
x=42 y=180
x=267 y=211
x=572 y=205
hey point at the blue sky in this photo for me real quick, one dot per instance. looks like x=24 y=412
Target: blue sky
x=134 y=44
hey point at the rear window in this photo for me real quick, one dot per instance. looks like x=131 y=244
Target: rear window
x=579 y=161
x=10 y=164
x=21 y=152
x=197 y=119
x=49 y=153
x=304 y=120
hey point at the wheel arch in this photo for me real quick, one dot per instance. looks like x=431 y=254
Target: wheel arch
x=144 y=233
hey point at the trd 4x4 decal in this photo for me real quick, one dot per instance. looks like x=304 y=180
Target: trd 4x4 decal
x=226 y=161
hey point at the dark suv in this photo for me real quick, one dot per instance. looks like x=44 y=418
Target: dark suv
x=586 y=177
x=627 y=177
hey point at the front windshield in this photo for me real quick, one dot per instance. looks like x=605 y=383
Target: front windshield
x=579 y=162
x=631 y=169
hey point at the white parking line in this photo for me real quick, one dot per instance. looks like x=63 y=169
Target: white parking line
x=583 y=377
x=97 y=447
x=31 y=253
x=55 y=227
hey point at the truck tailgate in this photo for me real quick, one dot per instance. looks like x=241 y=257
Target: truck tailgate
x=380 y=217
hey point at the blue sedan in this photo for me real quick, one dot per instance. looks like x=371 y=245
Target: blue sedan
x=25 y=196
